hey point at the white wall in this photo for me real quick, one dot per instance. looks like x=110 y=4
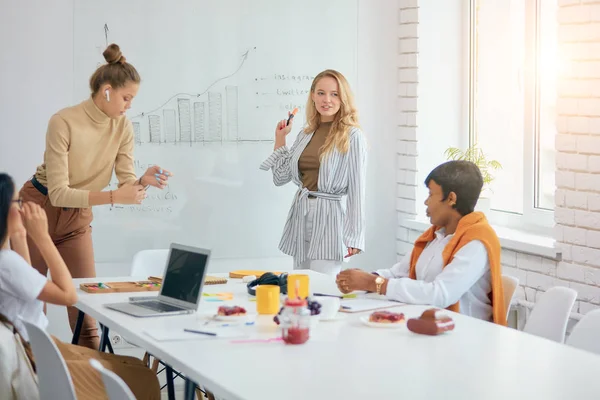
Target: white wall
x=36 y=78
x=442 y=117
x=376 y=96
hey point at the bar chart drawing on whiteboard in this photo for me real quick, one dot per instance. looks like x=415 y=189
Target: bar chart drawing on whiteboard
x=210 y=116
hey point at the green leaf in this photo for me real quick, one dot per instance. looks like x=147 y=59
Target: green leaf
x=476 y=155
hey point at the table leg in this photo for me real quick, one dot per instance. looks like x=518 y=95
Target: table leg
x=78 y=325
x=190 y=388
x=104 y=339
x=170 y=387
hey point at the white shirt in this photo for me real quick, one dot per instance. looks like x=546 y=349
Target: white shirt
x=466 y=279
x=20 y=286
x=17 y=379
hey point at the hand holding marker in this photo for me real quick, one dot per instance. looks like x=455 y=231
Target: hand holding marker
x=283 y=124
x=291 y=116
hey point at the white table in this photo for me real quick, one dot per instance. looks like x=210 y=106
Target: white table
x=348 y=360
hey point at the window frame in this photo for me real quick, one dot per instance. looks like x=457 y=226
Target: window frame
x=533 y=218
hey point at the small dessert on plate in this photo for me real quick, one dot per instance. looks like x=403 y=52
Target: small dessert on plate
x=231 y=311
x=431 y=322
x=386 y=317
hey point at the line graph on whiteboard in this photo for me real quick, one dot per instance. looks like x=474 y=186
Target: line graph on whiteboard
x=211 y=116
x=188 y=118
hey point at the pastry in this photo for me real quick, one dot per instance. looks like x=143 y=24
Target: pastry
x=431 y=322
x=386 y=317
x=231 y=311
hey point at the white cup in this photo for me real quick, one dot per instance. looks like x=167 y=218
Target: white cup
x=329 y=307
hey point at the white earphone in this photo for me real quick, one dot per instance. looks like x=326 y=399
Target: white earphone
x=107 y=95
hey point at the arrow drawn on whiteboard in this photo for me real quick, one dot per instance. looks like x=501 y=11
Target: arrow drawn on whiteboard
x=106 y=34
x=244 y=58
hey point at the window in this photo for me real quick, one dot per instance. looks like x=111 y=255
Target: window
x=512 y=104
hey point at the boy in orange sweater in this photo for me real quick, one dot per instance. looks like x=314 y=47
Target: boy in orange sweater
x=455 y=264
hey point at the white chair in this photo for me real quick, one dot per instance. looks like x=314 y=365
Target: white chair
x=550 y=314
x=116 y=389
x=586 y=333
x=54 y=379
x=149 y=263
x=509 y=284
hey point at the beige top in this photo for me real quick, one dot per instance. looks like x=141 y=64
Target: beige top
x=309 y=162
x=83 y=145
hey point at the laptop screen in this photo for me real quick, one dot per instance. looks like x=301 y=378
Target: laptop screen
x=184 y=275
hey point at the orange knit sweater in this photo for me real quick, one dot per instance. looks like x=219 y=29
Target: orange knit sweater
x=473 y=226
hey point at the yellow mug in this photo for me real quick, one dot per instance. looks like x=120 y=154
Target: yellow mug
x=303 y=285
x=267 y=299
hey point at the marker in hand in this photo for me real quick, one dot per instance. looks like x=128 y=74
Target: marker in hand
x=291 y=116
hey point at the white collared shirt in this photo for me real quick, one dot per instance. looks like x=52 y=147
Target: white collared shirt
x=466 y=279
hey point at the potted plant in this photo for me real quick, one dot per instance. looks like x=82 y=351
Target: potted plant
x=487 y=167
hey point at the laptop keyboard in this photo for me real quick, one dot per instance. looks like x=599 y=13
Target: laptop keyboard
x=157 y=306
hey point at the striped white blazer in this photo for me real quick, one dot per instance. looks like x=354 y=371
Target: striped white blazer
x=340 y=175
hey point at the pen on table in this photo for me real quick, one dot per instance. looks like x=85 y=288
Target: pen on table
x=345 y=308
x=200 y=332
x=327 y=295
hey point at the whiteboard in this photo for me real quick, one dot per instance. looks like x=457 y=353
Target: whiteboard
x=216 y=77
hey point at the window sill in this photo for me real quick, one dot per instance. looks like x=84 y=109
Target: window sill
x=510 y=239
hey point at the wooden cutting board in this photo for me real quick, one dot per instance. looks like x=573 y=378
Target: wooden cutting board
x=209 y=280
x=239 y=274
x=116 y=287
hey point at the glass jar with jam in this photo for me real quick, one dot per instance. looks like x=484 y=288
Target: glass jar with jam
x=295 y=321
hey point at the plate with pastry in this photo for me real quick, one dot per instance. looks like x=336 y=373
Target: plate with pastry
x=383 y=319
x=231 y=313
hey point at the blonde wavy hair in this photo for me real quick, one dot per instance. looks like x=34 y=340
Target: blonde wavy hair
x=344 y=120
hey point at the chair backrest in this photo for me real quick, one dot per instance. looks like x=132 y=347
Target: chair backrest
x=54 y=379
x=550 y=314
x=116 y=389
x=149 y=263
x=586 y=333
x=509 y=284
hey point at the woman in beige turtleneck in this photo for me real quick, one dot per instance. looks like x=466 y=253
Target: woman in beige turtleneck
x=84 y=145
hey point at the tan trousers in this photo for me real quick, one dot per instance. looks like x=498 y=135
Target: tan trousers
x=88 y=382
x=71 y=232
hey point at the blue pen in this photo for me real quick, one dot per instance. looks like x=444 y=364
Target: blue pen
x=200 y=332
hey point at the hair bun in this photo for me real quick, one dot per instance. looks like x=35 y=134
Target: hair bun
x=113 y=54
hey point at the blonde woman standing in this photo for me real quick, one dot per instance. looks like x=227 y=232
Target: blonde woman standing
x=328 y=164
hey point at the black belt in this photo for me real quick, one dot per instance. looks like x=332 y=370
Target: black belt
x=41 y=188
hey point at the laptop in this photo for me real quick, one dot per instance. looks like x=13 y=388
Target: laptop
x=181 y=285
